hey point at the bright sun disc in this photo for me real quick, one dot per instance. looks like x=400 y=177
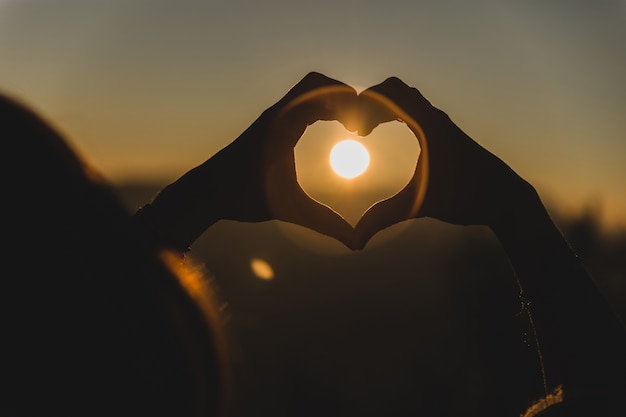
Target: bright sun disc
x=349 y=158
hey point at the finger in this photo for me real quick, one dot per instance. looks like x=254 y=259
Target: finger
x=318 y=97
x=287 y=201
x=391 y=100
x=407 y=204
x=374 y=107
x=304 y=211
x=309 y=82
x=380 y=216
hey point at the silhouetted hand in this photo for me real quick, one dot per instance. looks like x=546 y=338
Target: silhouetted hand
x=253 y=179
x=261 y=182
x=456 y=180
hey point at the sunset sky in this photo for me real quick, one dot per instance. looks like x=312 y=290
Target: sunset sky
x=147 y=89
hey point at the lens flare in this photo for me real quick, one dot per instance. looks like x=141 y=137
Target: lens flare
x=261 y=269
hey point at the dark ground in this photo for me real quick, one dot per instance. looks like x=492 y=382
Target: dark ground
x=423 y=322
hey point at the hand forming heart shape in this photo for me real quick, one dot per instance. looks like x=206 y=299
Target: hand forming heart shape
x=258 y=177
x=392 y=152
x=256 y=180
x=356 y=112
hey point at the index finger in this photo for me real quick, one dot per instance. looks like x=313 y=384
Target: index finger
x=318 y=97
x=392 y=100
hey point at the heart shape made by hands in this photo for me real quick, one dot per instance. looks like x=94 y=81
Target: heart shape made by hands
x=393 y=152
x=362 y=113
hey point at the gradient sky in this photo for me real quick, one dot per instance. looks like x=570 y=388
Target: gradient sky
x=148 y=89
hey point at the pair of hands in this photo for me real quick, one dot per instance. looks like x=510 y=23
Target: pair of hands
x=455 y=179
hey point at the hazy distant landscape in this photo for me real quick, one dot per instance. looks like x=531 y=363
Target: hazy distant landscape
x=422 y=322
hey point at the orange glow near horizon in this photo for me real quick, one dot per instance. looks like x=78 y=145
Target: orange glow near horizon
x=147 y=94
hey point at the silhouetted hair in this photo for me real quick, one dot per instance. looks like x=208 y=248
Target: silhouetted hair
x=97 y=320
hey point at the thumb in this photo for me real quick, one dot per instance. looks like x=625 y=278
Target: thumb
x=382 y=215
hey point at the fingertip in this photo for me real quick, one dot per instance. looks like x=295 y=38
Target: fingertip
x=374 y=109
x=351 y=126
x=343 y=232
x=314 y=80
x=362 y=239
x=353 y=246
x=321 y=80
x=365 y=130
x=361 y=235
x=359 y=246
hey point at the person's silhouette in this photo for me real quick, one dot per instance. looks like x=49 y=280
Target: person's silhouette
x=101 y=316
x=582 y=341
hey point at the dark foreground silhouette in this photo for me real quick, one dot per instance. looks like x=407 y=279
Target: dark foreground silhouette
x=103 y=315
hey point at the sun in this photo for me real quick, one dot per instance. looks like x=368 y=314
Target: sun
x=349 y=158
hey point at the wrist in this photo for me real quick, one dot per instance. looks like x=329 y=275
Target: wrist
x=519 y=210
x=521 y=222
x=184 y=209
x=154 y=231
x=540 y=256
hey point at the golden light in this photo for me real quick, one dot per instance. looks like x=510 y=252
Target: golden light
x=349 y=158
x=261 y=269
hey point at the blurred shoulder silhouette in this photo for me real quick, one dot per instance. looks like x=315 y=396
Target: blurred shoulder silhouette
x=97 y=319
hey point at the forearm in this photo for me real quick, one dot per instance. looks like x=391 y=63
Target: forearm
x=184 y=209
x=582 y=341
